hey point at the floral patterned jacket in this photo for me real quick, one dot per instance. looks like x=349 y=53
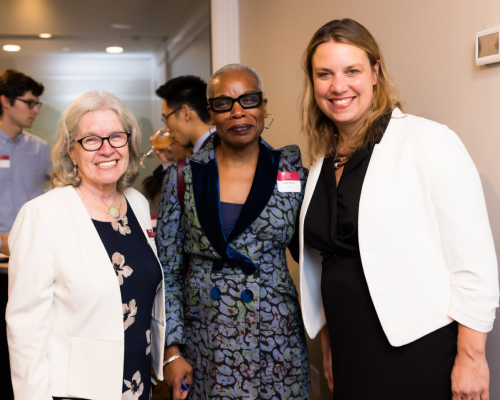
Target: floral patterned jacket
x=236 y=311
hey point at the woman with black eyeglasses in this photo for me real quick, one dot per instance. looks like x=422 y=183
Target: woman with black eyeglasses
x=234 y=326
x=86 y=311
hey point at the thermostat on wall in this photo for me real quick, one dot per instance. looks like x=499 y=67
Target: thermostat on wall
x=487 y=49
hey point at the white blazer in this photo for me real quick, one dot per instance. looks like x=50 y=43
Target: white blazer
x=64 y=315
x=424 y=236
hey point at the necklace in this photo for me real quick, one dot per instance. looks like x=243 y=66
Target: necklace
x=339 y=161
x=113 y=211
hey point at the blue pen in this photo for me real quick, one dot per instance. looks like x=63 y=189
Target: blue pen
x=185 y=386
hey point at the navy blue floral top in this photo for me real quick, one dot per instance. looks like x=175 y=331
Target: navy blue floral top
x=139 y=276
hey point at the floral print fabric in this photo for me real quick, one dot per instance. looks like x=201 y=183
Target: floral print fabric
x=138 y=275
x=242 y=333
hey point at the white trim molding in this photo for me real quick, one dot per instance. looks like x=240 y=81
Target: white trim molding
x=225 y=33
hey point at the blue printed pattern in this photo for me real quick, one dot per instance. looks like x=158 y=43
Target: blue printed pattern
x=242 y=330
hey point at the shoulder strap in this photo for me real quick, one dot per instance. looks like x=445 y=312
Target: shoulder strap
x=181 y=184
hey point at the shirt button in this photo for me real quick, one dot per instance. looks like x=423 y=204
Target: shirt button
x=247 y=296
x=215 y=293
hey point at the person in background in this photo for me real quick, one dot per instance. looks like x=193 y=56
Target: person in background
x=184 y=112
x=151 y=185
x=398 y=267
x=234 y=326
x=24 y=158
x=86 y=311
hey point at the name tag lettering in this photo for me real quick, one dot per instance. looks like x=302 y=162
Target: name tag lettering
x=288 y=181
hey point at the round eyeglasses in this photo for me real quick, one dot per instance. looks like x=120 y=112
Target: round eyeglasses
x=94 y=143
x=224 y=104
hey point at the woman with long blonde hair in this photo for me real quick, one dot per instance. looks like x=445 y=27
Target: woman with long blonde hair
x=398 y=266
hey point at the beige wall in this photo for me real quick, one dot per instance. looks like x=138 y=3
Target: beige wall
x=429 y=51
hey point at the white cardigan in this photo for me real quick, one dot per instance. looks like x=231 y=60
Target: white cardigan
x=424 y=236
x=64 y=315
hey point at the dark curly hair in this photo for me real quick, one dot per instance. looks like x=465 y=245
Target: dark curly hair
x=190 y=90
x=15 y=84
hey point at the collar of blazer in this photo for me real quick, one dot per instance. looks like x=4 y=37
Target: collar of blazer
x=205 y=178
x=315 y=170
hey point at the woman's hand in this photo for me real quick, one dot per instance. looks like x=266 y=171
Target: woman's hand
x=176 y=371
x=327 y=356
x=470 y=378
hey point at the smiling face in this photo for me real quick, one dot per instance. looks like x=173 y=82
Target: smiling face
x=239 y=127
x=343 y=82
x=100 y=169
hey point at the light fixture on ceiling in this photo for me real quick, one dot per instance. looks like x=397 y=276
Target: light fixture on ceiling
x=45 y=35
x=121 y=26
x=114 y=49
x=65 y=49
x=11 y=47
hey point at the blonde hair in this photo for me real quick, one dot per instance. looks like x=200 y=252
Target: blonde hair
x=62 y=167
x=321 y=132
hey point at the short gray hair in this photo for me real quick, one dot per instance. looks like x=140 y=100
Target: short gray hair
x=62 y=167
x=233 y=67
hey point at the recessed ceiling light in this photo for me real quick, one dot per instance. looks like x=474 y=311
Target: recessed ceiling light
x=121 y=26
x=114 y=49
x=45 y=35
x=11 y=47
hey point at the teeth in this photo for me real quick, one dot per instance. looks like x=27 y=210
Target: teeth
x=108 y=164
x=343 y=102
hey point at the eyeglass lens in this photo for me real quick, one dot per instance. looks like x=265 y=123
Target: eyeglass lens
x=31 y=104
x=246 y=101
x=92 y=143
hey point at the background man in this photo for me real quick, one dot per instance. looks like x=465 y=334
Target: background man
x=24 y=158
x=185 y=113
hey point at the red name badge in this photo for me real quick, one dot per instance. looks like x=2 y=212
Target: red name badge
x=288 y=181
x=150 y=233
x=4 y=161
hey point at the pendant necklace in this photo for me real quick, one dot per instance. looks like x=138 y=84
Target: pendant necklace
x=113 y=211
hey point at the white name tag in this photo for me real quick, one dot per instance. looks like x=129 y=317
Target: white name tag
x=151 y=238
x=288 y=181
x=4 y=161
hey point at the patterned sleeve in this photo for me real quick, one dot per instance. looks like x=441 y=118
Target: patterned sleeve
x=295 y=163
x=170 y=239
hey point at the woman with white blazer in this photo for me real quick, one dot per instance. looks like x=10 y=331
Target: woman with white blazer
x=86 y=310
x=398 y=267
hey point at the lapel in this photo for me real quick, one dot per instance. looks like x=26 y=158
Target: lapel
x=205 y=177
x=312 y=180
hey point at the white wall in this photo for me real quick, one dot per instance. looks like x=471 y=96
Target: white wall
x=429 y=49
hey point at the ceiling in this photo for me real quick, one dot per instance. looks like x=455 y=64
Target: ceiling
x=81 y=26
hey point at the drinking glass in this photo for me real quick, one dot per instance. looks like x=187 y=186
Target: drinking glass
x=159 y=140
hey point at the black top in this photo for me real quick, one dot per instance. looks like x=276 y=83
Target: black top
x=229 y=213
x=331 y=223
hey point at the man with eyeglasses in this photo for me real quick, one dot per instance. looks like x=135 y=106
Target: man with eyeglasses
x=24 y=158
x=185 y=114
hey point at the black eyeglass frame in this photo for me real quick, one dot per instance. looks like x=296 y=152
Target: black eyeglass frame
x=164 y=118
x=31 y=103
x=213 y=99
x=103 y=139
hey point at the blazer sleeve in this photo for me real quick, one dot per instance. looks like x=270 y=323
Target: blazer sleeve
x=170 y=242
x=28 y=314
x=460 y=208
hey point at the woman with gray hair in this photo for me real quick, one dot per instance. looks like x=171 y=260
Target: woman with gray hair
x=86 y=313
x=234 y=323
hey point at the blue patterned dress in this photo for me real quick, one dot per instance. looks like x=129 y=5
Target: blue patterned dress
x=236 y=313
x=139 y=275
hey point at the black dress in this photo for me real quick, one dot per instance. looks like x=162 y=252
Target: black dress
x=139 y=275
x=365 y=365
